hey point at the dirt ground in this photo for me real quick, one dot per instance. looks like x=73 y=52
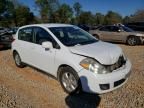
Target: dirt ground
x=30 y=88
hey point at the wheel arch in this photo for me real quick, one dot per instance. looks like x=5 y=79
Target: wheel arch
x=71 y=70
x=138 y=39
x=14 y=52
x=60 y=67
x=130 y=36
x=96 y=35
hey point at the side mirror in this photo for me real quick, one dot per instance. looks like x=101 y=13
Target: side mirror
x=47 y=45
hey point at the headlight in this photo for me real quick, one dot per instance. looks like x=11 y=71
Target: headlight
x=93 y=66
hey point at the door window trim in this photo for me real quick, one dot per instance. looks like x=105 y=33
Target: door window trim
x=19 y=37
x=54 y=43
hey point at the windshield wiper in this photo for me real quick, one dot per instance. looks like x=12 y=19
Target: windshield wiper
x=88 y=42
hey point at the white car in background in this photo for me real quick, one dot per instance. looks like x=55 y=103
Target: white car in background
x=122 y=34
x=73 y=56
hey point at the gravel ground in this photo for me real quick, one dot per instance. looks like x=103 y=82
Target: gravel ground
x=30 y=88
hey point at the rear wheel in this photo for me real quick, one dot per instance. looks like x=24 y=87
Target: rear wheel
x=132 y=41
x=69 y=80
x=18 y=61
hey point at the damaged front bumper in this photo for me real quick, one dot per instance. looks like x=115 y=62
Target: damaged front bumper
x=102 y=83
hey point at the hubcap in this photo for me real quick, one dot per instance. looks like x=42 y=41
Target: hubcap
x=132 y=41
x=69 y=81
x=17 y=59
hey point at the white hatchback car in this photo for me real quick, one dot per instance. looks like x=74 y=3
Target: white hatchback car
x=73 y=56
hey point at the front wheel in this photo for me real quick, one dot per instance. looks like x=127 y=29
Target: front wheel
x=69 y=80
x=132 y=41
x=18 y=61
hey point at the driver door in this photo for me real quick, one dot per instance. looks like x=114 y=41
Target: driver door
x=42 y=58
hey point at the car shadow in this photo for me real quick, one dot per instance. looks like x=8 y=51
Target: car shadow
x=83 y=99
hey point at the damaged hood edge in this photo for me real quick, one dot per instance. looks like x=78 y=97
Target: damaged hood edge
x=104 y=53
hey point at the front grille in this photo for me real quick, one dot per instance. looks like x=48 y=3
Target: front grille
x=121 y=61
x=117 y=83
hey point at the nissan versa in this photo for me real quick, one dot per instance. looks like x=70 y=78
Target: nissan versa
x=77 y=59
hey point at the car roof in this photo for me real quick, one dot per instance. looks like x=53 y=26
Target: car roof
x=47 y=25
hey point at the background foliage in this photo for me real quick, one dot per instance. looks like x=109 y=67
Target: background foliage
x=13 y=13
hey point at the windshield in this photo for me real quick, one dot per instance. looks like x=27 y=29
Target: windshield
x=71 y=36
x=127 y=29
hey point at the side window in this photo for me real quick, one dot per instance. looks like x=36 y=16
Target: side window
x=105 y=28
x=42 y=35
x=114 y=29
x=25 y=34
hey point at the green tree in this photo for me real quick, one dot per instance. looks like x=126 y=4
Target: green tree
x=112 y=18
x=138 y=16
x=63 y=14
x=47 y=8
x=86 y=18
x=126 y=19
x=77 y=8
x=2 y=6
x=23 y=16
x=99 y=18
x=6 y=12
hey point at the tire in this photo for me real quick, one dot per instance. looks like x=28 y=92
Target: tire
x=132 y=40
x=69 y=80
x=18 y=61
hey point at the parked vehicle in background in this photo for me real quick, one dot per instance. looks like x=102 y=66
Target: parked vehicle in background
x=137 y=26
x=84 y=27
x=77 y=59
x=13 y=30
x=95 y=27
x=6 y=40
x=2 y=30
x=113 y=33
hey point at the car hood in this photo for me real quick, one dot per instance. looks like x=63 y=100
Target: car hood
x=139 y=34
x=104 y=53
